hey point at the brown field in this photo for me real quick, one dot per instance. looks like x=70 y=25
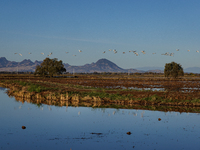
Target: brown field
x=183 y=91
x=182 y=88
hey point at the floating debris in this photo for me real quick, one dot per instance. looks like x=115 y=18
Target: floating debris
x=96 y=133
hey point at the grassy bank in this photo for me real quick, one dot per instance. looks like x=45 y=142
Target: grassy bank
x=48 y=90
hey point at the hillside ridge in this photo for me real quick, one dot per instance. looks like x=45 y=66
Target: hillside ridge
x=102 y=65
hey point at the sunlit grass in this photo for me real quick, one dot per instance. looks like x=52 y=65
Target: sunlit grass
x=35 y=87
x=103 y=93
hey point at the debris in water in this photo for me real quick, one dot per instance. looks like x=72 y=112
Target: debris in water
x=96 y=133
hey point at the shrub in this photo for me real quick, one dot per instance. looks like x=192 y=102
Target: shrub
x=173 y=69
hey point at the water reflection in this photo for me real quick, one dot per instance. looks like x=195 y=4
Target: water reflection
x=2 y=89
x=144 y=87
x=77 y=127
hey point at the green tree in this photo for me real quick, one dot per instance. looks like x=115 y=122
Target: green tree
x=49 y=67
x=173 y=69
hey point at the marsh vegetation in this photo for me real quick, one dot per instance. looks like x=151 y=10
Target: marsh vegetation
x=113 y=89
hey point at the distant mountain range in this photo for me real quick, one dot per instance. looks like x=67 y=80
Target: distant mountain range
x=192 y=70
x=150 y=68
x=102 y=65
x=23 y=66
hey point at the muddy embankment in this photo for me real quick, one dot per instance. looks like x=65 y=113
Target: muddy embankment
x=63 y=99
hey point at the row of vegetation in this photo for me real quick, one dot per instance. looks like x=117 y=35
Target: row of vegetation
x=102 y=93
x=58 y=89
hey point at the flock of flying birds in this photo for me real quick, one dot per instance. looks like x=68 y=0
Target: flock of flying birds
x=115 y=51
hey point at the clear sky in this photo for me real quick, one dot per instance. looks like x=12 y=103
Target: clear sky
x=95 y=26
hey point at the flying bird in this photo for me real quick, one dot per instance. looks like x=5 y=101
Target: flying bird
x=80 y=50
x=115 y=51
x=29 y=53
x=20 y=54
x=136 y=53
x=167 y=54
x=197 y=51
x=188 y=50
x=143 y=52
x=50 y=54
x=42 y=53
x=177 y=49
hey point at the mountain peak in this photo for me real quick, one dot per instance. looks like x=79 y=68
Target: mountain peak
x=3 y=62
x=26 y=62
x=104 y=65
x=105 y=62
x=3 y=58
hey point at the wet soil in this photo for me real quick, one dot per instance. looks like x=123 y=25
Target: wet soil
x=172 y=89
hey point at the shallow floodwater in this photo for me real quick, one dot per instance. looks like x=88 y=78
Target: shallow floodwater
x=86 y=128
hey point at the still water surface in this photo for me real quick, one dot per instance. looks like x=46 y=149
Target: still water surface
x=53 y=127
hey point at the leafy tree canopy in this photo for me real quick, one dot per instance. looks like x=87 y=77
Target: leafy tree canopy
x=49 y=67
x=173 y=69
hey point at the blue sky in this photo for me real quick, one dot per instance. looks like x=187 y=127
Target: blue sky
x=95 y=26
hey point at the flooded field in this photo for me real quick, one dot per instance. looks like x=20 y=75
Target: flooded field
x=180 y=91
x=55 y=127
